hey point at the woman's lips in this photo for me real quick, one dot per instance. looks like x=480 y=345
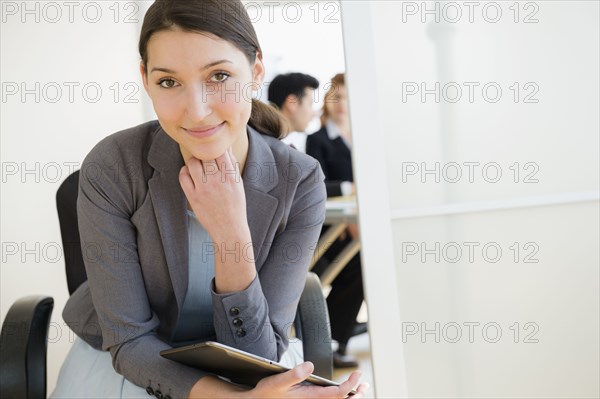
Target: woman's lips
x=204 y=131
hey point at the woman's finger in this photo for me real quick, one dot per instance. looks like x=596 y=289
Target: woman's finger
x=361 y=391
x=363 y=388
x=186 y=181
x=233 y=163
x=292 y=377
x=227 y=163
x=222 y=162
x=210 y=168
x=352 y=381
x=195 y=170
x=227 y=166
x=228 y=159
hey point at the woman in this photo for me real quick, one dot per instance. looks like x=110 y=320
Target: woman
x=186 y=222
x=331 y=144
x=331 y=147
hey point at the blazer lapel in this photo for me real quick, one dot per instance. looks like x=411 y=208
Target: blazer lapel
x=169 y=204
x=260 y=176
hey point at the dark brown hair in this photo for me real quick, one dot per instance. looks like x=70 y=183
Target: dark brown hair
x=226 y=19
x=337 y=81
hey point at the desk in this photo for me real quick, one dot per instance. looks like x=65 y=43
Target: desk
x=340 y=211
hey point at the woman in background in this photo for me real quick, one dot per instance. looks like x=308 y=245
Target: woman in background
x=331 y=146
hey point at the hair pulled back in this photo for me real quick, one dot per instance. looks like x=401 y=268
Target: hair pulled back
x=226 y=19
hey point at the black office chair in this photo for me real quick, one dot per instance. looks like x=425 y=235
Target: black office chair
x=23 y=347
x=23 y=342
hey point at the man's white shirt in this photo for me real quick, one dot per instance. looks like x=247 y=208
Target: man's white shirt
x=297 y=139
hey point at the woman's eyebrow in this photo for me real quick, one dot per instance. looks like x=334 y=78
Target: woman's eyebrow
x=212 y=64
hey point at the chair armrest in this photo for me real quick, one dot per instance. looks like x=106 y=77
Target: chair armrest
x=23 y=347
x=313 y=327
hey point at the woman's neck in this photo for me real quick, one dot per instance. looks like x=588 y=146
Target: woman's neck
x=343 y=126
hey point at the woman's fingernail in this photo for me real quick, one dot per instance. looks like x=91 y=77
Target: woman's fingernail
x=308 y=367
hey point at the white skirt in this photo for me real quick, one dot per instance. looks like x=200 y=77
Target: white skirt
x=89 y=373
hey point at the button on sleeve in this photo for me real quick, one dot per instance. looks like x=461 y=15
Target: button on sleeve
x=240 y=332
x=237 y=322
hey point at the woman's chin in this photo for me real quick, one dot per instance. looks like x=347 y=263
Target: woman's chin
x=208 y=155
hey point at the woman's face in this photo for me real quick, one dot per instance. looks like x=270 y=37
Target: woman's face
x=337 y=105
x=201 y=88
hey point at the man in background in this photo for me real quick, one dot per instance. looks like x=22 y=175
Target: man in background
x=293 y=95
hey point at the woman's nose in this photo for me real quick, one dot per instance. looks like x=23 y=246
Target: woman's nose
x=199 y=102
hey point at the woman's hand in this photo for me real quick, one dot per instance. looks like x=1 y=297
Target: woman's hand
x=287 y=385
x=215 y=191
x=284 y=385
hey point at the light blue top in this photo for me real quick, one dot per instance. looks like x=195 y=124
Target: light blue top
x=196 y=321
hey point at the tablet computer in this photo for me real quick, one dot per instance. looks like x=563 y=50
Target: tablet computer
x=238 y=366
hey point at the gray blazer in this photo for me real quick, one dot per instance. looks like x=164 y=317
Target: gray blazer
x=133 y=228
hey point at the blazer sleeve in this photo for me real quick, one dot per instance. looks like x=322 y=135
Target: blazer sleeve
x=316 y=149
x=265 y=311
x=108 y=239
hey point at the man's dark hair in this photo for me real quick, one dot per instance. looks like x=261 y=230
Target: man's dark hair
x=290 y=84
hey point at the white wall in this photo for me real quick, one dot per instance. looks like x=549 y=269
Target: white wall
x=300 y=36
x=44 y=138
x=550 y=208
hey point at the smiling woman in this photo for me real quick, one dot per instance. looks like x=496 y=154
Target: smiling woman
x=175 y=277
x=194 y=103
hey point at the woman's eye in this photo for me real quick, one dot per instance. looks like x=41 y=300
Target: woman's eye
x=220 y=77
x=166 y=83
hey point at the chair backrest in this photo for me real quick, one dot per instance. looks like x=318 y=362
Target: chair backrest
x=23 y=346
x=66 y=204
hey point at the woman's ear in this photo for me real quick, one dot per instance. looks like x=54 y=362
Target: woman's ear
x=258 y=71
x=144 y=76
